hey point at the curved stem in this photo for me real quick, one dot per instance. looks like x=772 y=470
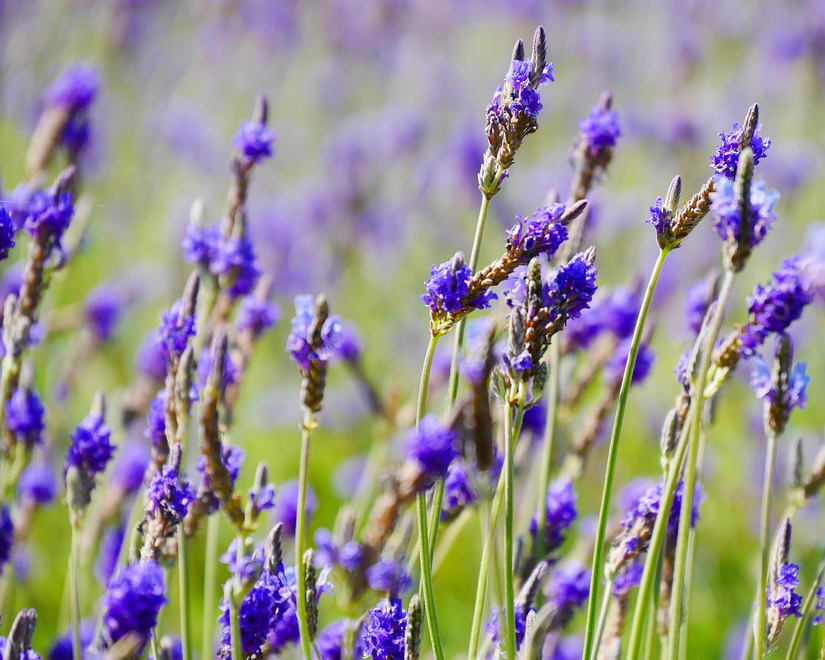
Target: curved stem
x=300 y=535
x=424 y=383
x=210 y=580
x=686 y=514
x=660 y=526
x=612 y=454
x=74 y=577
x=549 y=442
x=602 y=617
x=760 y=625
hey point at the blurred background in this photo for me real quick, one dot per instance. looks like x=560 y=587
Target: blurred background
x=379 y=111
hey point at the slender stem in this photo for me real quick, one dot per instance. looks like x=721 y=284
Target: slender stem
x=686 y=514
x=760 y=625
x=659 y=527
x=183 y=580
x=300 y=535
x=549 y=442
x=210 y=580
x=424 y=384
x=153 y=643
x=602 y=617
x=613 y=451
x=484 y=569
x=426 y=587
x=235 y=631
x=509 y=588
x=74 y=573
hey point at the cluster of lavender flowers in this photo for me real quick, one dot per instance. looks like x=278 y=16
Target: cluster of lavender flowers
x=530 y=390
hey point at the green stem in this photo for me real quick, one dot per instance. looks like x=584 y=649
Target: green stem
x=602 y=617
x=613 y=451
x=484 y=569
x=183 y=581
x=426 y=587
x=686 y=514
x=74 y=573
x=549 y=442
x=760 y=625
x=509 y=588
x=235 y=631
x=300 y=535
x=210 y=580
x=153 y=643
x=658 y=535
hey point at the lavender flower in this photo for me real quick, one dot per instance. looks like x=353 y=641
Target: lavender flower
x=91 y=449
x=24 y=417
x=725 y=206
x=449 y=286
x=561 y=512
x=75 y=89
x=108 y=554
x=570 y=288
x=327 y=552
x=628 y=579
x=233 y=461
x=6 y=233
x=567 y=590
x=303 y=348
x=102 y=309
x=764 y=388
x=331 y=639
x=615 y=366
x=458 y=491
x=259 y=612
x=151 y=359
x=726 y=159
x=62 y=647
x=130 y=466
x=256 y=315
x=540 y=234
x=493 y=626
x=48 y=215
x=38 y=483
x=433 y=446
x=784 y=600
x=383 y=634
x=389 y=576
x=236 y=261
x=600 y=129
x=230 y=371
x=772 y=308
x=200 y=244
x=637 y=525
x=6 y=535
x=286 y=506
x=349 y=349
x=156 y=420
x=168 y=495
x=176 y=328
x=132 y=603
x=819 y=605
x=254 y=141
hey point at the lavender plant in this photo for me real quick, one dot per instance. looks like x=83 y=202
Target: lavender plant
x=165 y=476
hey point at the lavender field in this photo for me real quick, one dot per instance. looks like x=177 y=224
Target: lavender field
x=396 y=330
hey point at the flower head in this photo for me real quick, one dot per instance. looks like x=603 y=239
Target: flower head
x=200 y=244
x=726 y=159
x=235 y=259
x=772 y=308
x=383 y=634
x=449 y=286
x=48 y=214
x=725 y=206
x=169 y=495
x=132 y=603
x=6 y=233
x=302 y=345
x=38 y=483
x=568 y=588
x=256 y=315
x=6 y=535
x=286 y=506
x=538 y=234
x=561 y=513
x=260 y=611
x=254 y=141
x=433 y=446
x=570 y=288
x=176 y=328
x=458 y=491
x=784 y=599
x=600 y=129
x=25 y=417
x=102 y=309
x=91 y=449
x=75 y=89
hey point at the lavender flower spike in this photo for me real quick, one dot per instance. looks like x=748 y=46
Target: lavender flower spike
x=783 y=387
x=383 y=635
x=88 y=456
x=726 y=159
x=132 y=603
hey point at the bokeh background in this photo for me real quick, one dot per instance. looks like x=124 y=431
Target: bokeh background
x=379 y=111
